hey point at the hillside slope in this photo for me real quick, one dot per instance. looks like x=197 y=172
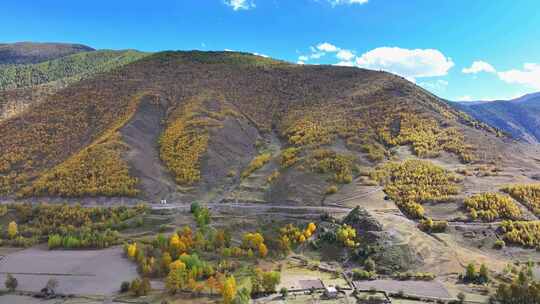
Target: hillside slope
x=22 y=85
x=519 y=117
x=230 y=126
x=260 y=140
x=31 y=52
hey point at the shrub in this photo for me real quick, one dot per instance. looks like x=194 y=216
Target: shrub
x=431 y=226
x=499 y=244
x=124 y=287
x=331 y=190
x=369 y=264
x=361 y=275
x=11 y=282
x=257 y=163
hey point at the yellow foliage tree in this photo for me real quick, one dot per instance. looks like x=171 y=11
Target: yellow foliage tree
x=229 y=290
x=12 y=229
x=263 y=250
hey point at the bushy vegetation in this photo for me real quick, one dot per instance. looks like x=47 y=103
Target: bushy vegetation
x=327 y=161
x=362 y=275
x=523 y=289
x=431 y=226
x=412 y=182
x=291 y=236
x=289 y=157
x=68 y=226
x=55 y=141
x=308 y=106
x=492 y=206
x=472 y=275
x=529 y=195
x=98 y=170
x=66 y=69
x=415 y=276
x=258 y=162
x=205 y=260
x=185 y=140
x=522 y=233
x=427 y=138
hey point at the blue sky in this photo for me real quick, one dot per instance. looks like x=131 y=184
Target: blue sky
x=432 y=42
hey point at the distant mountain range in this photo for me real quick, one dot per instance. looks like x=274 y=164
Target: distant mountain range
x=518 y=117
x=31 y=52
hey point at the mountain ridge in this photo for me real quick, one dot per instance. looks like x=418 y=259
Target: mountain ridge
x=519 y=117
x=35 y=52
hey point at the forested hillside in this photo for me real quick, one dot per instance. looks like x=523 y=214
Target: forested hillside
x=66 y=69
x=31 y=52
x=322 y=122
x=26 y=84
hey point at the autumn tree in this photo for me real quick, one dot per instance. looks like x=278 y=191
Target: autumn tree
x=12 y=229
x=229 y=290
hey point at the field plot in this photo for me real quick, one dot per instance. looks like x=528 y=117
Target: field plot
x=78 y=272
x=432 y=289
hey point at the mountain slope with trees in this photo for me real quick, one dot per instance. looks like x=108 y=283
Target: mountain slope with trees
x=32 y=52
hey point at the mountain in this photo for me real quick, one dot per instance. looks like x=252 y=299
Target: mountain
x=264 y=143
x=227 y=126
x=30 y=52
x=518 y=117
x=24 y=84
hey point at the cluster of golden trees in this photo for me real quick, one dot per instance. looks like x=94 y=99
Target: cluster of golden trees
x=412 y=182
x=185 y=140
x=291 y=236
x=97 y=170
x=53 y=131
x=256 y=163
x=524 y=233
x=177 y=259
x=272 y=177
x=328 y=161
x=529 y=195
x=346 y=235
x=289 y=157
x=431 y=226
x=492 y=206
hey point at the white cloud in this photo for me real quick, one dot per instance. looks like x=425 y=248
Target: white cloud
x=240 y=4
x=327 y=47
x=479 y=66
x=528 y=76
x=464 y=98
x=439 y=85
x=317 y=55
x=345 y=63
x=345 y=55
x=303 y=58
x=338 y=2
x=405 y=62
x=300 y=62
x=262 y=55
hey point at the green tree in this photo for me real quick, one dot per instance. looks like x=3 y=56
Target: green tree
x=470 y=273
x=369 y=264
x=483 y=274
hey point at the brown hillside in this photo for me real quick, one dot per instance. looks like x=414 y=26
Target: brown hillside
x=188 y=124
